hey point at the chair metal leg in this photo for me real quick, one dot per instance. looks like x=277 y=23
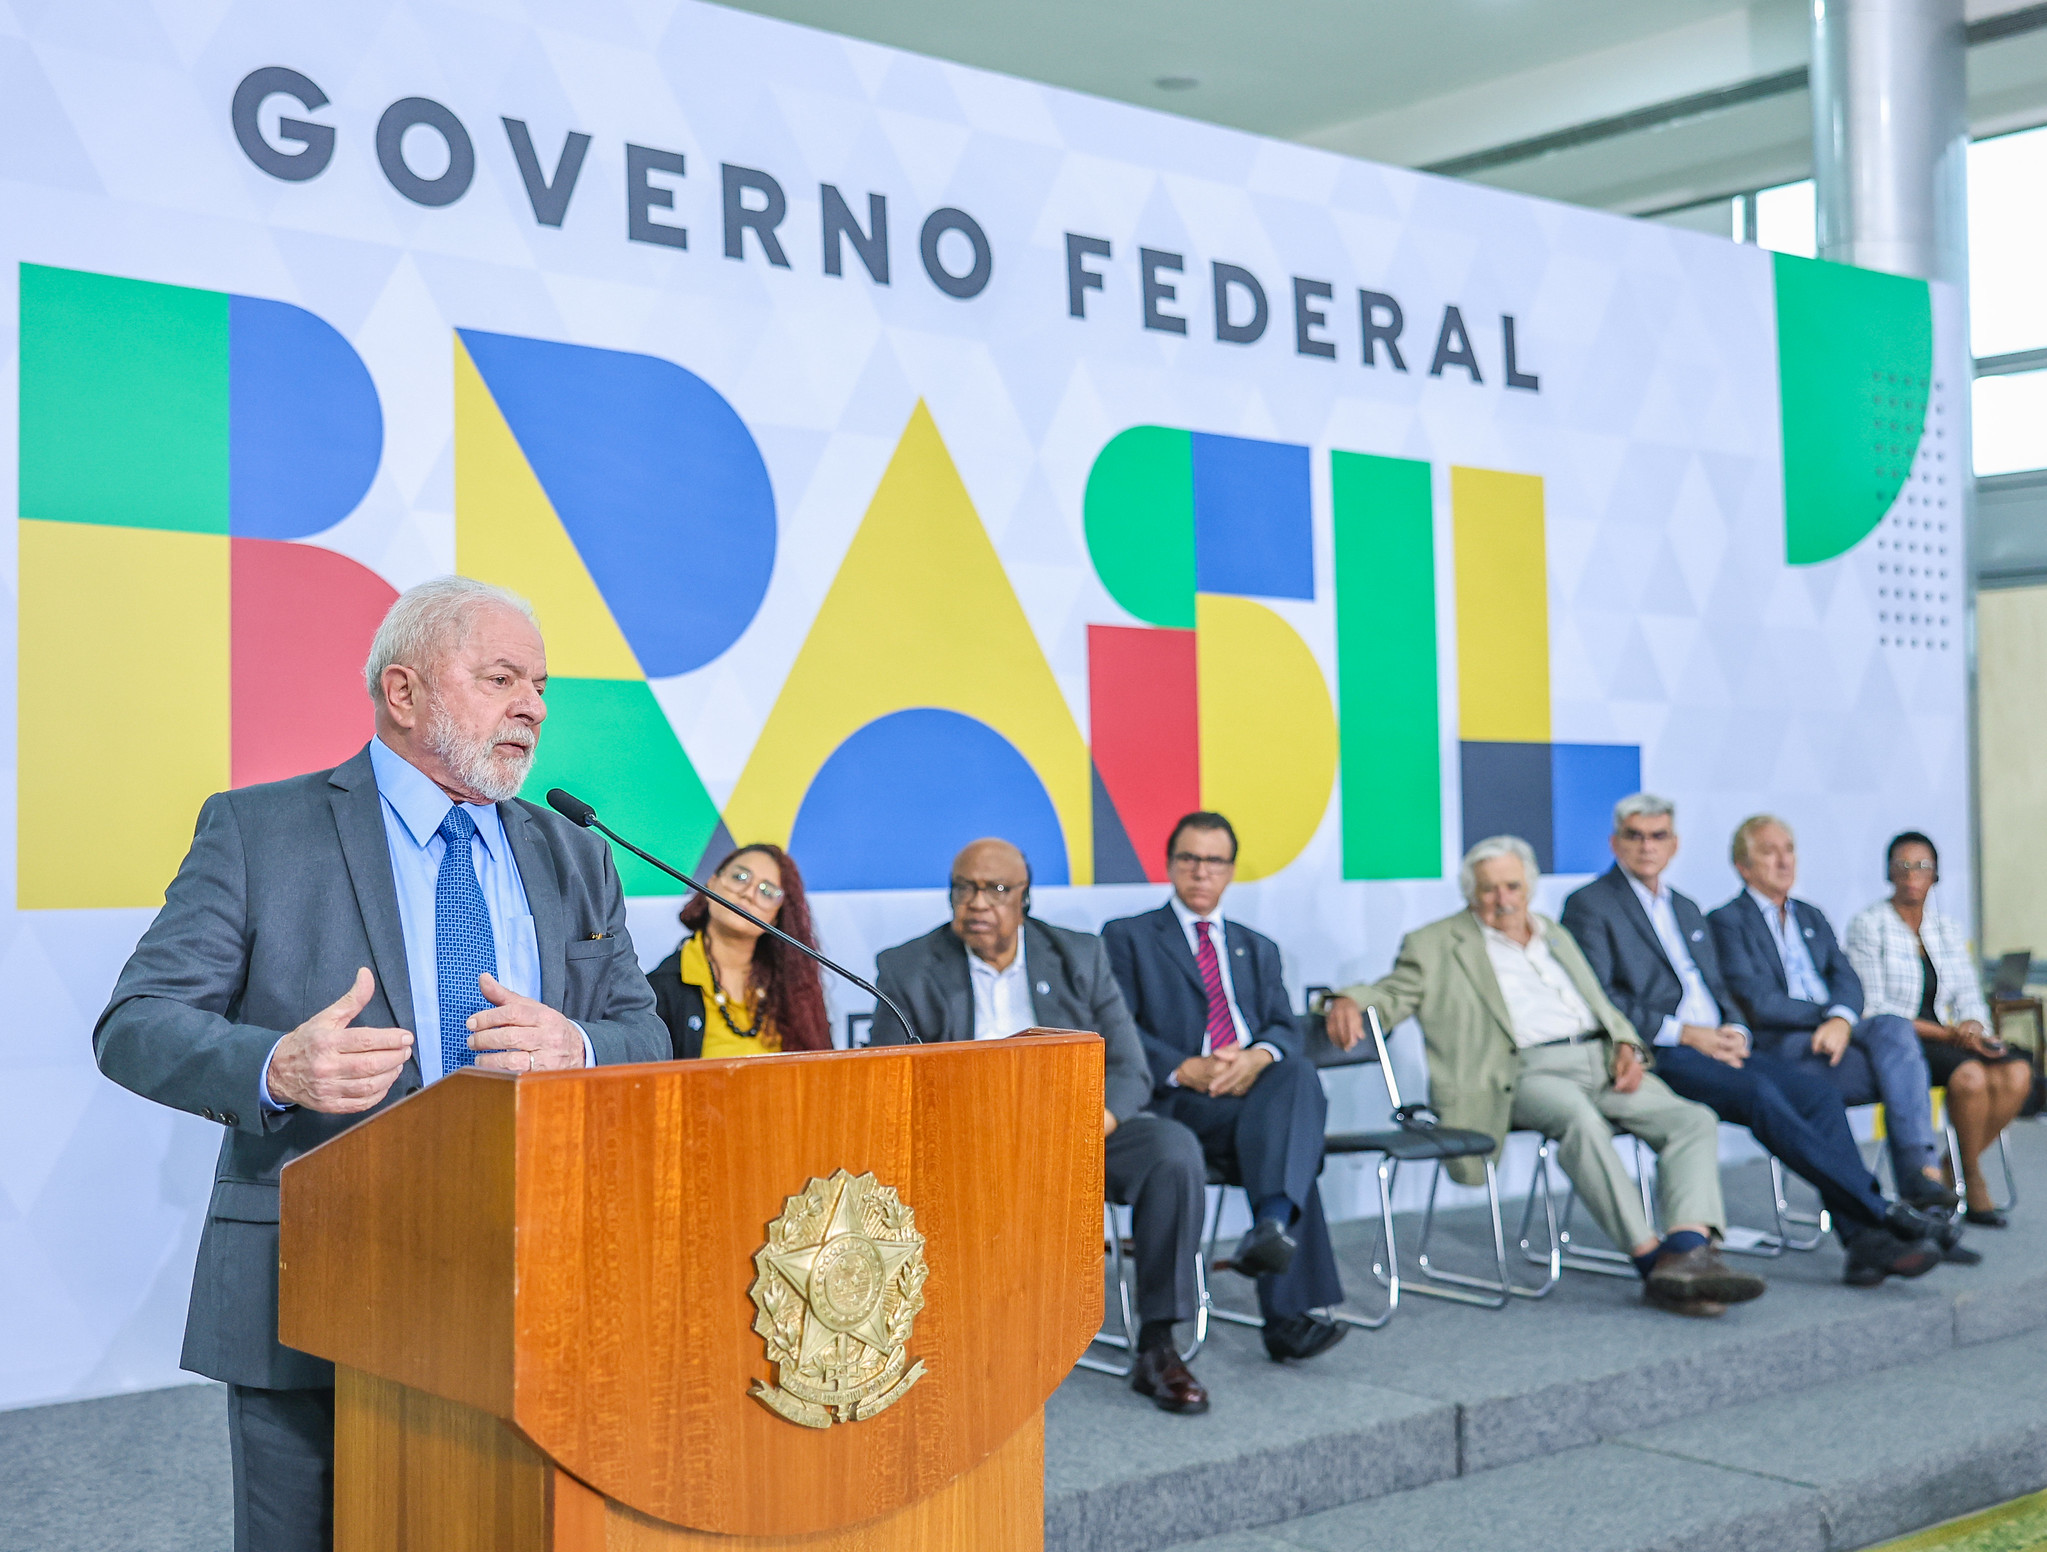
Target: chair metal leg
x=1821 y=1222
x=2011 y=1185
x=1589 y=1258
x=1487 y=1293
x=1214 y=1235
x=1391 y=1278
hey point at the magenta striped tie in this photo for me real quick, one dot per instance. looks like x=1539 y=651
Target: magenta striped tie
x=1222 y=1029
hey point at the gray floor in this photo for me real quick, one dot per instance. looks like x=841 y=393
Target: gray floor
x=1818 y=1417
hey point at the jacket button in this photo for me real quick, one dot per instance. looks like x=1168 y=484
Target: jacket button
x=230 y=1118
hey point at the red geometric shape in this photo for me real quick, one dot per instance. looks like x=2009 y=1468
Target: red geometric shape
x=1143 y=721
x=301 y=622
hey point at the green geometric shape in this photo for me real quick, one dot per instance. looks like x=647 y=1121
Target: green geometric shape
x=124 y=402
x=1391 y=780
x=609 y=742
x=1854 y=363
x=1139 y=517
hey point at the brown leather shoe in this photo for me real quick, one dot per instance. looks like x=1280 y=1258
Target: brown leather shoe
x=1699 y=1309
x=1699 y=1273
x=1161 y=1375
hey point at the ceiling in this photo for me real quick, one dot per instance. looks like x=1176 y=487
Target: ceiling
x=1419 y=84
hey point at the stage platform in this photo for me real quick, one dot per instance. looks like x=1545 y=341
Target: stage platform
x=1821 y=1417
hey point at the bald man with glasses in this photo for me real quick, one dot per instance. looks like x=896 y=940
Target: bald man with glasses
x=995 y=970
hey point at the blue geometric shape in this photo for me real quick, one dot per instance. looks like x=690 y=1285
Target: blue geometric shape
x=1586 y=781
x=1506 y=790
x=1253 y=518
x=895 y=802
x=658 y=482
x=305 y=429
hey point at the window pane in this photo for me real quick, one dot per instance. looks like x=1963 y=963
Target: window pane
x=2011 y=422
x=2008 y=244
x=1785 y=219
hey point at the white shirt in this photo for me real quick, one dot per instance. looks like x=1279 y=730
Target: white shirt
x=1002 y=998
x=1697 y=1006
x=1220 y=938
x=1542 y=1004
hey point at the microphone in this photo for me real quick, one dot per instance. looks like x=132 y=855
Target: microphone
x=577 y=812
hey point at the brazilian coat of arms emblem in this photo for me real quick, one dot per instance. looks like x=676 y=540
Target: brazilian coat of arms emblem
x=838 y=1286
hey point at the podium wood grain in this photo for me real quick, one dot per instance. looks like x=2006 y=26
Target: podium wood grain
x=571 y=1291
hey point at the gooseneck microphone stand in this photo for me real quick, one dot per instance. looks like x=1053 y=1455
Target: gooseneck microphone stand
x=577 y=812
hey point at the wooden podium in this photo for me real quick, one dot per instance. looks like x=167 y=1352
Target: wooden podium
x=540 y=1293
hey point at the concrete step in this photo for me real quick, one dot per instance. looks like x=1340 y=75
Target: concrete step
x=1823 y=1469
x=1447 y=1392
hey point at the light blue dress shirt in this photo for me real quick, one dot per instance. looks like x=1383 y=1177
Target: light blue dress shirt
x=413 y=808
x=1801 y=980
x=1698 y=1006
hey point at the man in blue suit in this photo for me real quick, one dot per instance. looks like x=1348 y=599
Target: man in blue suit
x=1650 y=948
x=1803 y=1001
x=1227 y=1062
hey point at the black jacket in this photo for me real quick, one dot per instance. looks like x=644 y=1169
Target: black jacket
x=680 y=1006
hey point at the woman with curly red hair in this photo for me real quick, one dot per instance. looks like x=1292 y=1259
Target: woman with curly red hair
x=730 y=989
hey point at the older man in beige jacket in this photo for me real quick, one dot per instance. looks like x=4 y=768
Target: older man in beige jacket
x=1520 y=1036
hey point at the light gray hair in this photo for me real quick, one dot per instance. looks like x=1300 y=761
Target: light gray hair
x=1745 y=832
x=429 y=621
x=1643 y=805
x=1496 y=846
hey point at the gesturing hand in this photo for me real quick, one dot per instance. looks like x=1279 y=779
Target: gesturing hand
x=517 y=1034
x=326 y=1066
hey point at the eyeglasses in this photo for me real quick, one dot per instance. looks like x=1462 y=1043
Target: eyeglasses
x=967 y=890
x=1912 y=867
x=1196 y=864
x=765 y=892
x=1644 y=837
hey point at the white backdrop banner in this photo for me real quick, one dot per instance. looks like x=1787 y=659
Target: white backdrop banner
x=896 y=453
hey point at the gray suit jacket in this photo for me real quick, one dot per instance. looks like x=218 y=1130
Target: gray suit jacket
x=1072 y=987
x=285 y=893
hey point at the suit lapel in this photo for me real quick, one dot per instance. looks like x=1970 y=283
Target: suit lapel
x=1759 y=927
x=359 y=822
x=956 y=984
x=1174 y=941
x=1631 y=907
x=1471 y=957
x=543 y=899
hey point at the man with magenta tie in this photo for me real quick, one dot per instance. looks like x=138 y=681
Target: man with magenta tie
x=1228 y=1063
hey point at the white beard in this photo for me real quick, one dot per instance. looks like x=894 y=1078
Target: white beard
x=475 y=762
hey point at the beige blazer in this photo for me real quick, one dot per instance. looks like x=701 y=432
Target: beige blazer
x=1443 y=977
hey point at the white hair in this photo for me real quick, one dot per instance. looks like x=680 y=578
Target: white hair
x=1496 y=846
x=1643 y=805
x=430 y=621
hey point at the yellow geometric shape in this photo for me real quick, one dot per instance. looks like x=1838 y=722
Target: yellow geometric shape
x=1268 y=731
x=507 y=533
x=920 y=614
x=112 y=766
x=1502 y=607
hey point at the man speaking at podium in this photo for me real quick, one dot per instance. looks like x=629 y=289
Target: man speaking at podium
x=314 y=928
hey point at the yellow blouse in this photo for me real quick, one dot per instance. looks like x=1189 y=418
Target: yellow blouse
x=720 y=1038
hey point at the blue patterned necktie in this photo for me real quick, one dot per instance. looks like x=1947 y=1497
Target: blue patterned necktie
x=464 y=946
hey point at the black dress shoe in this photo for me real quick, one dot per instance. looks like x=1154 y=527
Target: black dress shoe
x=1923 y=1192
x=1159 y=1374
x=1301 y=1336
x=1266 y=1251
x=1907 y=1222
x=1987 y=1218
x=1959 y=1254
x=1876 y=1252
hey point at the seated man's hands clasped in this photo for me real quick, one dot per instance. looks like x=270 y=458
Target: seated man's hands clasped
x=1232 y=1070
x=1724 y=1043
x=326 y=1066
x=518 y=1034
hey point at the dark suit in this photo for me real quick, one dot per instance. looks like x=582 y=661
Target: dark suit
x=1794 y=1113
x=1883 y=1061
x=1151 y=1163
x=1270 y=1139
x=286 y=891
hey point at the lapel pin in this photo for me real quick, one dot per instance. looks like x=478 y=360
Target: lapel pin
x=1044 y=988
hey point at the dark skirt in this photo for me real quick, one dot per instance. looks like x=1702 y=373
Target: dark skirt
x=1942 y=1059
